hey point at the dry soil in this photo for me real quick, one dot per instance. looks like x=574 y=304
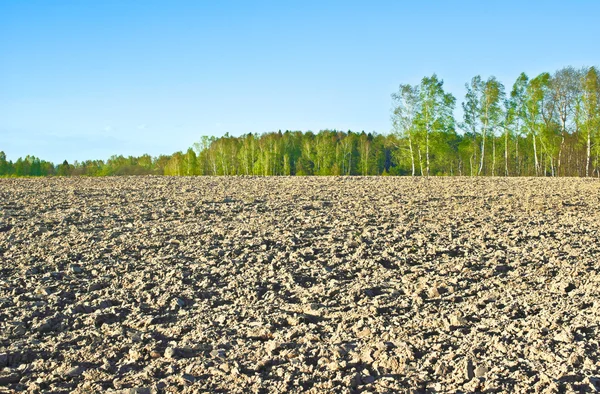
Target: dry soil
x=157 y=284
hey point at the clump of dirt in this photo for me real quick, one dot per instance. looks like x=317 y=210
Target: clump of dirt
x=156 y=284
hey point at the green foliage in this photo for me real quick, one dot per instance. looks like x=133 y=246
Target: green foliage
x=549 y=125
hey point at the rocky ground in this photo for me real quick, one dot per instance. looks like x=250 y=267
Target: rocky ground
x=270 y=285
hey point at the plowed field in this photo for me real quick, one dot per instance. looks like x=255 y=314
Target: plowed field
x=156 y=284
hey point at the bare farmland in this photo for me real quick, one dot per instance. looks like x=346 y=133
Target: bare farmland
x=158 y=284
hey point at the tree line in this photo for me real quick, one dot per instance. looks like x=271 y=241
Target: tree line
x=545 y=126
x=548 y=125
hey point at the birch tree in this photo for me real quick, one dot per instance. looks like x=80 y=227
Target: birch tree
x=482 y=113
x=406 y=108
x=471 y=109
x=435 y=111
x=516 y=113
x=590 y=105
x=565 y=86
x=532 y=112
x=491 y=112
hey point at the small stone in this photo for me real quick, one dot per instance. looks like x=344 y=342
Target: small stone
x=366 y=356
x=271 y=347
x=76 y=371
x=76 y=269
x=170 y=352
x=457 y=320
x=134 y=354
x=396 y=365
x=565 y=336
x=441 y=369
x=96 y=286
x=364 y=333
x=188 y=378
x=501 y=347
x=45 y=291
x=480 y=371
x=259 y=333
x=433 y=292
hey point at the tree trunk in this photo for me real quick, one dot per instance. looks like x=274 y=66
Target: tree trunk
x=535 y=156
x=558 y=163
x=427 y=150
x=517 y=165
x=493 y=155
x=253 y=158
x=597 y=160
x=474 y=156
x=412 y=156
x=471 y=164
x=350 y=163
x=588 y=153
x=482 y=149
x=506 y=152
x=214 y=163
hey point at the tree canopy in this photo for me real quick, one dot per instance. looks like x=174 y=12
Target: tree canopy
x=548 y=125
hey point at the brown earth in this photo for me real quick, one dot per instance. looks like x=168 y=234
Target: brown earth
x=157 y=284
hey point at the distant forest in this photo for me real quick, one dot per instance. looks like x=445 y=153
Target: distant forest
x=545 y=126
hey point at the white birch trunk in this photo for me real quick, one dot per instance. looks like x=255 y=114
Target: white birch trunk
x=412 y=156
x=589 y=153
x=535 y=156
x=506 y=152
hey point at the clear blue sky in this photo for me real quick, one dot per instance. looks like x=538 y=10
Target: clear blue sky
x=88 y=79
